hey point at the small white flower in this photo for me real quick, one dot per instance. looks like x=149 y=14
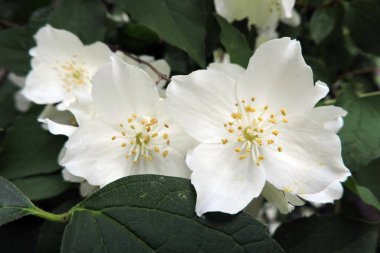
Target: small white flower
x=62 y=65
x=129 y=132
x=21 y=102
x=264 y=14
x=83 y=107
x=255 y=127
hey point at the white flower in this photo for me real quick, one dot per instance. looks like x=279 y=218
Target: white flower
x=83 y=107
x=21 y=102
x=62 y=65
x=264 y=14
x=254 y=127
x=129 y=133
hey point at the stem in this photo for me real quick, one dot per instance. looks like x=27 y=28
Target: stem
x=62 y=218
x=362 y=95
x=358 y=72
x=158 y=73
x=6 y=23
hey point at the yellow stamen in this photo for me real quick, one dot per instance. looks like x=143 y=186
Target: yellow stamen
x=113 y=138
x=283 y=112
x=242 y=157
x=275 y=132
x=165 y=136
x=224 y=141
x=279 y=149
x=238 y=150
x=270 y=141
x=156 y=149
x=236 y=115
x=165 y=153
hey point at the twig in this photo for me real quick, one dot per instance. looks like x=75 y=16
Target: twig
x=158 y=73
x=358 y=72
x=361 y=95
x=6 y=23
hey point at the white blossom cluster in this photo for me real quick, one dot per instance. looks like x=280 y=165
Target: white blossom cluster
x=236 y=133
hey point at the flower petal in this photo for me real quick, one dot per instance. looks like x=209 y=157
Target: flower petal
x=287 y=6
x=224 y=182
x=43 y=86
x=231 y=69
x=173 y=165
x=310 y=159
x=95 y=55
x=91 y=154
x=276 y=197
x=278 y=76
x=231 y=10
x=330 y=117
x=332 y=192
x=55 y=44
x=121 y=90
x=321 y=90
x=201 y=103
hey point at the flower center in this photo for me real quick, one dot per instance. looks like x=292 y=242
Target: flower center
x=254 y=127
x=143 y=136
x=72 y=73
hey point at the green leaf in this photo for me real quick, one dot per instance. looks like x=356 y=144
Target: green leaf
x=365 y=194
x=369 y=177
x=137 y=39
x=360 y=135
x=153 y=213
x=85 y=18
x=13 y=203
x=29 y=157
x=327 y=234
x=14 y=46
x=363 y=20
x=42 y=186
x=235 y=43
x=180 y=23
x=322 y=24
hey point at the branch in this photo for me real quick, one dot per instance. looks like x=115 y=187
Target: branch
x=358 y=72
x=6 y=23
x=157 y=72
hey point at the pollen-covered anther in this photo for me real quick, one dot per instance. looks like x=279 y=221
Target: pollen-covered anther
x=272 y=120
x=283 y=111
x=165 y=136
x=165 y=153
x=275 y=132
x=224 y=141
x=270 y=141
x=236 y=115
x=279 y=149
x=237 y=150
x=156 y=149
x=242 y=157
x=285 y=120
x=249 y=108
